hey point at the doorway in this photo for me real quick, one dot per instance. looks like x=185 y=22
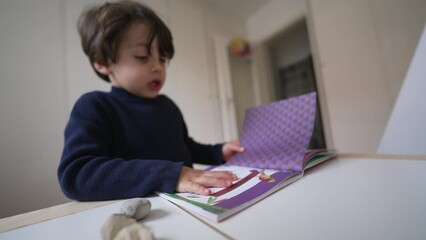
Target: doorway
x=293 y=71
x=280 y=68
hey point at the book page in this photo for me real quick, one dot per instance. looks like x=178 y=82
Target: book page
x=276 y=135
x=251 y=185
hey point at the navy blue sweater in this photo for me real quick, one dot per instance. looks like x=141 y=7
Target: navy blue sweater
x=118 y=145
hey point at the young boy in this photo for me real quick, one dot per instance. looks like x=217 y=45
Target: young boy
x=132 y=141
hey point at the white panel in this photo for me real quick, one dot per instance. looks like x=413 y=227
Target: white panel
x=192 y=80
x=399 y=27
x=226 y=93
x=242 y=85
x=406 y=130
x=189 y=72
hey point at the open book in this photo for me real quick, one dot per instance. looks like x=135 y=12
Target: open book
x=276 y=136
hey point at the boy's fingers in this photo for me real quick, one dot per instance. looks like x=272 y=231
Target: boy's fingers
x=213 y=181
x=237 y=148
x=221 y=174
x=197 y=181
x=197 y=188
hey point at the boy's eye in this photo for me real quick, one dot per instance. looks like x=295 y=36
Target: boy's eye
x=142 y=58
x=164 y=60
x=147 y=59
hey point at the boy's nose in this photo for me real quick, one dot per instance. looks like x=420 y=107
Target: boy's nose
x=156 y=65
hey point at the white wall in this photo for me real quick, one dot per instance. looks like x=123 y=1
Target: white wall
x=43 y=71
x=275 y=16
x=362 y=51
x=33 y=103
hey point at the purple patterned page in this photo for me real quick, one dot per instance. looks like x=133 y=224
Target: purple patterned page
x=276 y=135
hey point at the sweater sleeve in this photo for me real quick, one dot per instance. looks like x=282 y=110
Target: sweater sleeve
x=87 y=170
x=206 y=153
x=210 y=154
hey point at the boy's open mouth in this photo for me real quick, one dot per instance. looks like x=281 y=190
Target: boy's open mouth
x=155 y=84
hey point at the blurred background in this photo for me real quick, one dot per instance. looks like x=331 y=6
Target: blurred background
x=354 y=53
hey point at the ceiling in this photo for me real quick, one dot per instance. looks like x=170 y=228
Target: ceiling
x=239 y=8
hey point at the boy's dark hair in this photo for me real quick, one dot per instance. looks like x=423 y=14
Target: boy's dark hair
x=101 y=28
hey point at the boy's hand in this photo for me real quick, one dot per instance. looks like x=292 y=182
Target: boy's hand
x=197 y=181
x=230 y=148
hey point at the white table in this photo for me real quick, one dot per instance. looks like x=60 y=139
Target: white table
x=345 y=198
x=352 y=197
x=166 y=221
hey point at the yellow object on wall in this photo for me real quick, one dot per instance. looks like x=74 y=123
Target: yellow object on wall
x=240 y=48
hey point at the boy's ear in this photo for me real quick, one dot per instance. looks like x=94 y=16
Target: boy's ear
x=101 y=68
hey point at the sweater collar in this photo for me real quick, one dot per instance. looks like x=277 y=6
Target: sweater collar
x=124 y=95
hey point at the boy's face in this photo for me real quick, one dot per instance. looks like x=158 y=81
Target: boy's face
x=135 y=70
